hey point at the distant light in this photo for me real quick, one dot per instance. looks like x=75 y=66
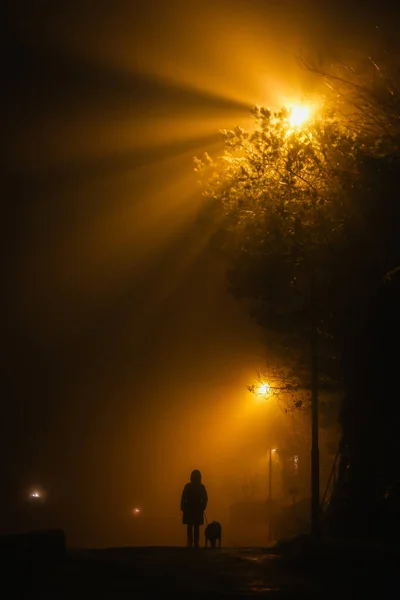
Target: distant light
x=136 y=512
x=36 y=493
x=299 y=114
x=273 y=450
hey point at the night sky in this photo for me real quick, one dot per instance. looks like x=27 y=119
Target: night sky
x=125 y=360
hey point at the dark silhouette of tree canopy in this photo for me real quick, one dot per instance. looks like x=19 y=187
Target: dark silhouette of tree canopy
x=309 y=221
x=282 y=190
x=368 y=95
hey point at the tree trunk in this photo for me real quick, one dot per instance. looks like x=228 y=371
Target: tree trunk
x=315 y=508
x=314 y=432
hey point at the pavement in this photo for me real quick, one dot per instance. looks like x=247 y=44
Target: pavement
x=175 y=572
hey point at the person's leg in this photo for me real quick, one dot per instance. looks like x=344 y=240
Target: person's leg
x=196 y=535
x=189 y=534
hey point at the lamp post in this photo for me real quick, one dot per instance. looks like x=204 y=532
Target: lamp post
x=299 y=114
x=262 y=391
x=271 y=452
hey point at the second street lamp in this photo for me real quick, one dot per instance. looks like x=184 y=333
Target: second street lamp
x=271 y=452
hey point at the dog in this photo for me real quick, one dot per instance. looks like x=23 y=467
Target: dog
x=213 y=534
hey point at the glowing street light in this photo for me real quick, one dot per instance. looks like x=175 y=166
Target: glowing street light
x=263 y=390
x=136 y=512
x=298 y=115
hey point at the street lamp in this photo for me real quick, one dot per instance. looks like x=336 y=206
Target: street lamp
x=271 y=452
x=262 y=391
x=298 y=114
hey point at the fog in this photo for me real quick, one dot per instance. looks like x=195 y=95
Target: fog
x=126 y=361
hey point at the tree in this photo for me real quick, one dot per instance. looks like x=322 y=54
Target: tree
x=280 y=192
x=282 y=385
x=368 y=95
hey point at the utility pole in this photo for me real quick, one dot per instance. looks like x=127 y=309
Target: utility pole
x=314 y=434
x=270 y=496
x=315 y=510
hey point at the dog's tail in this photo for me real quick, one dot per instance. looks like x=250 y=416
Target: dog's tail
x=205 y=518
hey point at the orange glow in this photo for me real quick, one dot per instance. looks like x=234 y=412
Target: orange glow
x=128 y=272
x=36 y=493
x=263 y=390
x=299 y=114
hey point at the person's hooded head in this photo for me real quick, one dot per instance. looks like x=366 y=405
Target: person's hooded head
x=195 y=477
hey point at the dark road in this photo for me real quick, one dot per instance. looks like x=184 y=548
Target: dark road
x=156 y=572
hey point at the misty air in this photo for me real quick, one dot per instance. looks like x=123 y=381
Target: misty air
x=201 y=291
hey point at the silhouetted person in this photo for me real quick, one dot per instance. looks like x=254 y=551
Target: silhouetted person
x=193 y=504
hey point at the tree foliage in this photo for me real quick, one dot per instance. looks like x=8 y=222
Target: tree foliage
x=311 y=226
x=281 y=385
x=366 y=93
x=282 y=193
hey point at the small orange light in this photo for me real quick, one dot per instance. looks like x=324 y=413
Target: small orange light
x=36 y=493
x=299 y=115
